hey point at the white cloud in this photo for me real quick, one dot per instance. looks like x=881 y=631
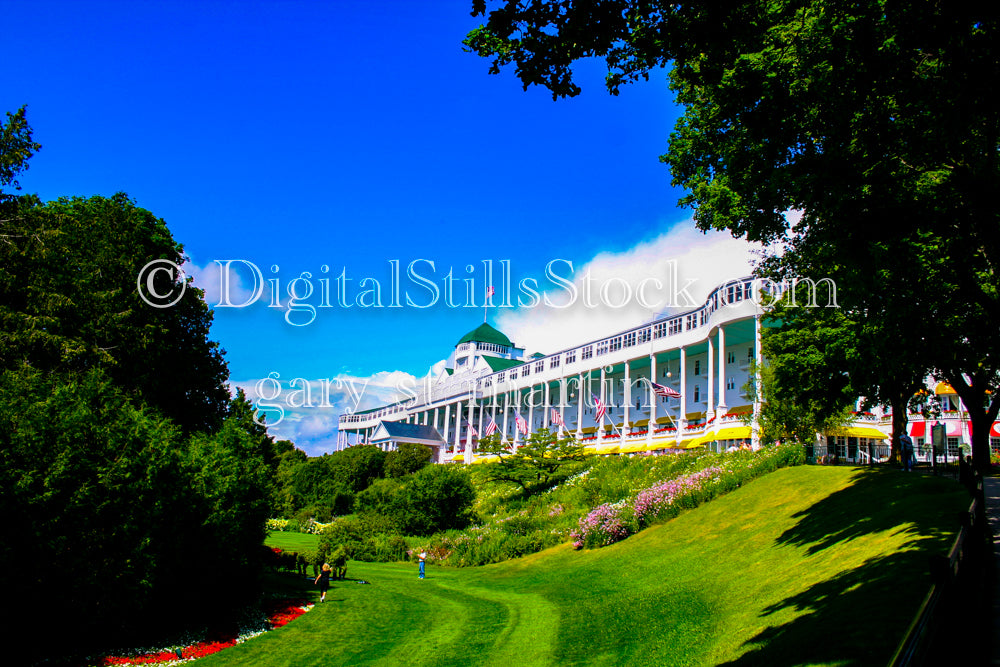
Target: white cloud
x=679 y=270
x=310 y=409
x=210 y=278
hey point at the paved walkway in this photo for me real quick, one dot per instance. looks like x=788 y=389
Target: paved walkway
x=991 y=489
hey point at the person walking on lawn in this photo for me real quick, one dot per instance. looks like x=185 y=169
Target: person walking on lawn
x=324 y=581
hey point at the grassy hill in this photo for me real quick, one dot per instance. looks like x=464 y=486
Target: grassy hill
x=807 y=565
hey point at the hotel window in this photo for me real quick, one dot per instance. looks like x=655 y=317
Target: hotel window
x=691 y=322
x=995 y=445
x=645 y=335
x=539 y=366
x=697 y=393
x=587 y=352
x=697 y=366
x=571 y=357
x=731 y=383
x=748 y=290
x=525 y=370
x=731 y=357
x=749 y=355
x=953 y=448
x=615 y=344
x=500 y=377
x=704 y=317
x=660 y=330
x=602 y=347
x=628 y=340
x=675 y=326
x=554 y=361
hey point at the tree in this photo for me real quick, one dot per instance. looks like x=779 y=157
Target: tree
x=100 y=489
x=877 y=121
x=16 y=148
x=536 y=463
x=69 y=301
x=407 y=459
x=433 y=499
x=820 y=360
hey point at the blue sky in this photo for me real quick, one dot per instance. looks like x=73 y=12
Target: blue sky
x=347 y=135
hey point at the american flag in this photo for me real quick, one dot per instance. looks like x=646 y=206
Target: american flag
x=522 y=424
x=490 y=291
x=556 y=417
x=490 y=429
x=472 y=429
x=665 y=392
x=601 y=410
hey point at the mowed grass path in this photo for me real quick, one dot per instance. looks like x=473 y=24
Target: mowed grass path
x=807 y=565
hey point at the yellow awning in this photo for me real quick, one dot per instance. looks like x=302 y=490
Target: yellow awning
x=861 y=432
x=589 y=429
x=458 y=457
x=630 y=448
x=694 y=416
x=485 y=459
x=607 y=449
x=944 y=388
x=731 y=433
x=740 y=410
x=641 y=422
x=664 y=420
x=690 y=443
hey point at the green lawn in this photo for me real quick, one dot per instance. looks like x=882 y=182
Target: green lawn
x=292 y=541
x=807 y=565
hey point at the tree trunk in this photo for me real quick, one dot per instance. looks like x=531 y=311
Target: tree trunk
x=976 y=396
x=899 y=405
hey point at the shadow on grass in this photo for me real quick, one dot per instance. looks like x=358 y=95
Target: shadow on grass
x=858 y=616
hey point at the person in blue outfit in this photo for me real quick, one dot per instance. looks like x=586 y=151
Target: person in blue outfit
x=906 y=451
x=422 y=559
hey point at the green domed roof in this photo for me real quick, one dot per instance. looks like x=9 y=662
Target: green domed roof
x=484 y=333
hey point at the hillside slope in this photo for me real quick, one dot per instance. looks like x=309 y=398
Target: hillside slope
x=807 y=565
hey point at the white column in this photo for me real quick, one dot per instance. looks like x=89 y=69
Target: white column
x=710 y=403
x=546 y=407
x=682 y=417
x=626 y=399
x=468 y=431
x=721 y=410
x=604 y=400
x=482 y=413
x=531 y=410
x=458 y=426
x=435 y=417
x=447 y=418
x=517 y=410
x=652 y=399
x=579 y=406
x=562 y=404
x=506 y=413
x=758 y=388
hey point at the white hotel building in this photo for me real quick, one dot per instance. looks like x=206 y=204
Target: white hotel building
x=706 y=355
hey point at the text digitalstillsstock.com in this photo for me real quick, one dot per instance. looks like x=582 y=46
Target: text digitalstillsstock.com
x=420 y=285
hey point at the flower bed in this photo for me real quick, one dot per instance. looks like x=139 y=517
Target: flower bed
x=273 y=614
x=613 y=522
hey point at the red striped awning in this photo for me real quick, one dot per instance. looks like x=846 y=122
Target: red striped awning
x=917 y=429
x=995 y=430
